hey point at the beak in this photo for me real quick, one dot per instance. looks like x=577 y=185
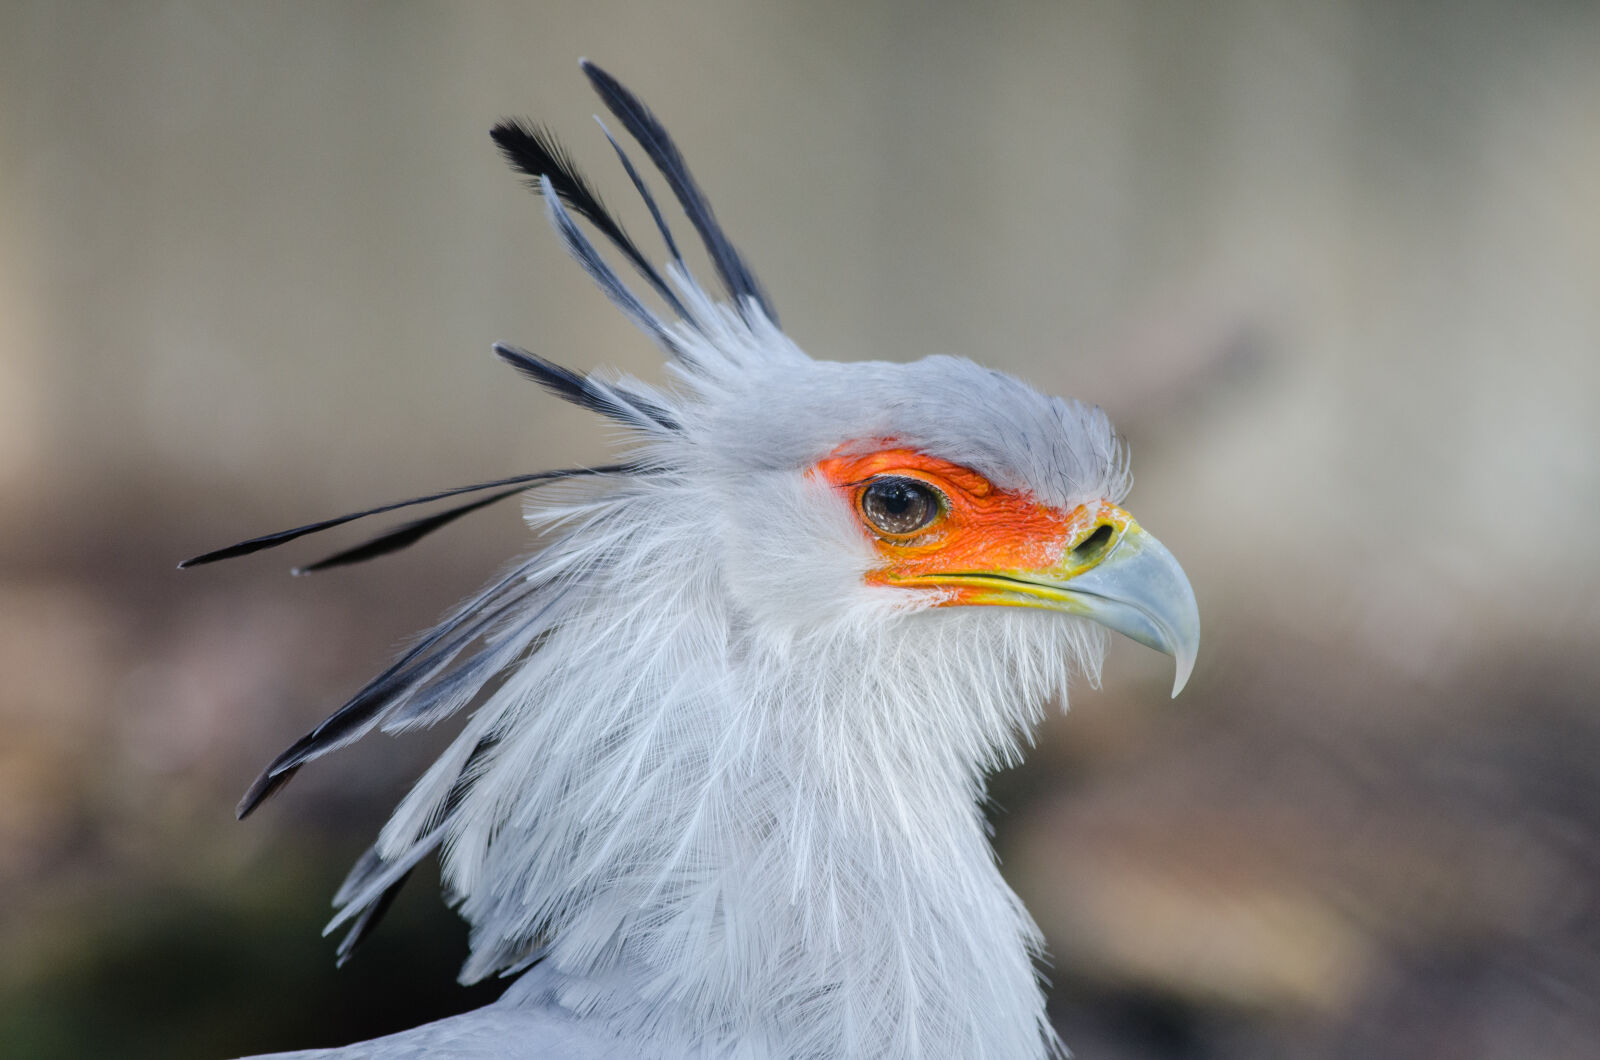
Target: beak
x=1139 y=590
x=1112 y=573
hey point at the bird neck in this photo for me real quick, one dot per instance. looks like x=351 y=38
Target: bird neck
x=731 y=839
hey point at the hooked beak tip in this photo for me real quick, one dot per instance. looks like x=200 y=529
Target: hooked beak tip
x=1139 y=590
x=1185 y=668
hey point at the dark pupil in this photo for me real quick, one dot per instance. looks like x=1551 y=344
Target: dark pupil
x=899 y=506
x=897 y=499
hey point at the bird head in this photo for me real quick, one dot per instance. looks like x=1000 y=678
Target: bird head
x=857 y=495
x=781 y=637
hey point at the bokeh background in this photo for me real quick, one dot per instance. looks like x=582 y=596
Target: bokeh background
x=1334 y=269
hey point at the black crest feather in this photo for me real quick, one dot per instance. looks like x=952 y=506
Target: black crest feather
x=539 y=155
x=442 y=671
x=583 y=251
x=404 y=535
x=644 y=127
x=644 y=193
x=422 y=665
x=604 y=398
x=283 y=537
x=368 y=920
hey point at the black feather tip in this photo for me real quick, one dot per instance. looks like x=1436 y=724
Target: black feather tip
x=538 y=155
x=283 y=537
x=647 y=129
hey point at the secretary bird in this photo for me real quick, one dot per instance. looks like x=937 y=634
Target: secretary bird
x=720 y=794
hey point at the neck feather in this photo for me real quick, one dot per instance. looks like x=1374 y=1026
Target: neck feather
x=723 y=837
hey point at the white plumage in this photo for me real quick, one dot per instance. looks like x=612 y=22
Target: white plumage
x=725 y=801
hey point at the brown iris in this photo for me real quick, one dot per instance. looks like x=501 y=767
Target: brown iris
x=896 y=505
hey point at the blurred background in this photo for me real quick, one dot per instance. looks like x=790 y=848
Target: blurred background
x=1333 y=268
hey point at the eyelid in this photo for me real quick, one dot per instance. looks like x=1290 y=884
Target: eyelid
x=910 y=475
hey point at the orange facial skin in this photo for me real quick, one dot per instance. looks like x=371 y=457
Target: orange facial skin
x=982 y=531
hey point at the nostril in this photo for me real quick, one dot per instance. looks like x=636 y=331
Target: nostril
x=1093 y=547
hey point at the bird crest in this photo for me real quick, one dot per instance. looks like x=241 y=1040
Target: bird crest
x=730 y=721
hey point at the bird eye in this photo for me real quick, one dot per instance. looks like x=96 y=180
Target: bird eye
x=898 y=506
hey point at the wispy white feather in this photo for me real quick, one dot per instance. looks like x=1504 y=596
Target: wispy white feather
x=726 y=792
x=750 y=778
